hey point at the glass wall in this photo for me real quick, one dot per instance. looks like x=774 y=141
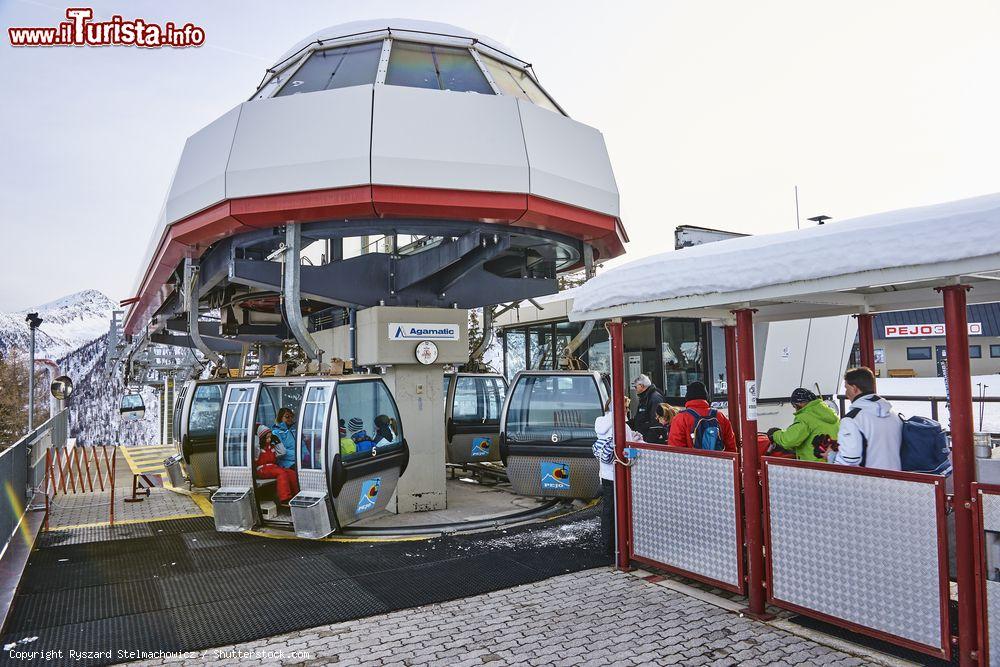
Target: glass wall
x=516 y=82
x=672 y=352
x=682 y=352
x=314 y=427
x=435 y=67
x=718 y=346
x=368 y=419
x=335 y=68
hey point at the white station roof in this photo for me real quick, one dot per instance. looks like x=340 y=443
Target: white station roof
x=882 y=262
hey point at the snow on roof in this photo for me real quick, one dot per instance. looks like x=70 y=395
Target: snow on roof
x=952 y=231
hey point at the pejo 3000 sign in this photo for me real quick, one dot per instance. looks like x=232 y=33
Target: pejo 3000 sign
x=936 y=330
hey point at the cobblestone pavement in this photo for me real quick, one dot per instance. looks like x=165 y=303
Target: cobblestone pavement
x=594 y=617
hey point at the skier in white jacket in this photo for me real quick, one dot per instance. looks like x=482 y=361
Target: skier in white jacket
x=604 y=451
x=870 y=433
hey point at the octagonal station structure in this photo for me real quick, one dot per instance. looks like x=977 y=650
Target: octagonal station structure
x=384 y=177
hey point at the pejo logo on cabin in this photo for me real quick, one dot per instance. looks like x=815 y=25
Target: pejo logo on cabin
x=417 y=331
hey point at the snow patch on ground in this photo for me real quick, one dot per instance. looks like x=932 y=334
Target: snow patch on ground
x=567 y=533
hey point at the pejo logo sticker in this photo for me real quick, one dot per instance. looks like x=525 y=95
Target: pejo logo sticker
x=369 y=494
x=481 y=446
x=555 y=476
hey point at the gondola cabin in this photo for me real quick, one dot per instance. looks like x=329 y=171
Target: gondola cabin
x=547 y=433
x=349 y=453
x=473 y=403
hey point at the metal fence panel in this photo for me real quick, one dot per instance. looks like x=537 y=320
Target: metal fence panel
x=860 y=548
x=13 y=494
x=685 y=514
x=988 y=562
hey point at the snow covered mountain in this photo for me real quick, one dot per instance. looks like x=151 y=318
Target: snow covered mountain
x=74 y=333
x=68 y=324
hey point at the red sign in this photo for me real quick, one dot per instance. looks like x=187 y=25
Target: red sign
x=928 y=330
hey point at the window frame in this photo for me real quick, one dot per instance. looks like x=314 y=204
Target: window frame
x=910 y=351
x=979 y=351
x=994 y=350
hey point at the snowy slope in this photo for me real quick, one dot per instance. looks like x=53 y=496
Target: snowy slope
x=935 y=387
x=74 y=332
x=943 y=232
x=68 y=324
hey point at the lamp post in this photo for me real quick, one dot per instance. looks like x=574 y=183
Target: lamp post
x=34 y=321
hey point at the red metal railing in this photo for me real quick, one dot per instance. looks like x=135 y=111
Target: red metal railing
x=81 y=469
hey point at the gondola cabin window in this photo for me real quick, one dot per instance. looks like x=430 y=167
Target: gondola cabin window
x=478 y=400
x=234 y=445
x=206 y=407
x=368 y=420
x=553 y=408
x=313 y=432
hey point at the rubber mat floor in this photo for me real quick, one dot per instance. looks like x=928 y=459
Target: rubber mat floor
x=186 y=587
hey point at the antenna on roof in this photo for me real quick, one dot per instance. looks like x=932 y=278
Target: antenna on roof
x=798 y=225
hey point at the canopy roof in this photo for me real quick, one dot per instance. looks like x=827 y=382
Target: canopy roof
x=883 y=262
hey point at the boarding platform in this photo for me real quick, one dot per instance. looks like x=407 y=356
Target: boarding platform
x=180 y=585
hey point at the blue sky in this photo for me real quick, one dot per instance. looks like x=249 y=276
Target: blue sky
x=712 y=112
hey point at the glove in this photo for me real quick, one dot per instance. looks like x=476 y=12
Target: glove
x=771 y=432
x=822 y=445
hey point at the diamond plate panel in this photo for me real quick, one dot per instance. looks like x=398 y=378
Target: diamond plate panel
x=684 y=513
x=856 y=547
x=524 y=473
x=993 y=619
x=991 y=511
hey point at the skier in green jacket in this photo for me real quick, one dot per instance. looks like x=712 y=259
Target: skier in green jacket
x=813 y=417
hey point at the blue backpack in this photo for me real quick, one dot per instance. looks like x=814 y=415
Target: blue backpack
x=924 y=447
x=706 y=433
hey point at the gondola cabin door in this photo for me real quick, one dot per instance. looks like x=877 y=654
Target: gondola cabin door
x=369 y=454
x=473 y=404
x=312 y=507
x=234 y=504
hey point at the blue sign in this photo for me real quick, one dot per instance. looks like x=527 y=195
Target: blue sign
x=555 y=476
x=369 y=494
x=631 y=453
x=481 y=446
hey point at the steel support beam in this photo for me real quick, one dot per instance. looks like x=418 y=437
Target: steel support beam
x=750 y=464
x=290 y=288
x=623 y=504
x=964 y=466
x=866 y=340
x=190 y=293
x=733 y=382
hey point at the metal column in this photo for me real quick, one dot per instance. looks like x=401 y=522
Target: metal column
x=750 y=464
x=733 y=381
x=866 y=340
x=963 y=462
x=622 y=482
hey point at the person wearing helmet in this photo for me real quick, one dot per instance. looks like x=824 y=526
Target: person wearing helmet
x=813 y=418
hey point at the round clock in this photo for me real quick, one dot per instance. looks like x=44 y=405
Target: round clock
x=426 y=352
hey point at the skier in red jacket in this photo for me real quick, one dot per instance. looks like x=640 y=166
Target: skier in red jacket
x=714 y=424
x=268 y=468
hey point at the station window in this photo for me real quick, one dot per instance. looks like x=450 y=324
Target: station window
x=975 y=351
x=682 y=356
x=367 y=419
x=354 y=65
x=517 y=82
x=478 y=400
x=995 y=350
x=543 y=405
x=435 y=67
x=515 y=356
x=237 y=423
x=597 y=355
x=314 y=427
x=918 y=353
x=206 y=408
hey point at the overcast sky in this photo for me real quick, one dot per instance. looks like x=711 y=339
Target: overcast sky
x=712 y=112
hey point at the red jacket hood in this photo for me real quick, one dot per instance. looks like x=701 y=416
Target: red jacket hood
x=699 y=405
